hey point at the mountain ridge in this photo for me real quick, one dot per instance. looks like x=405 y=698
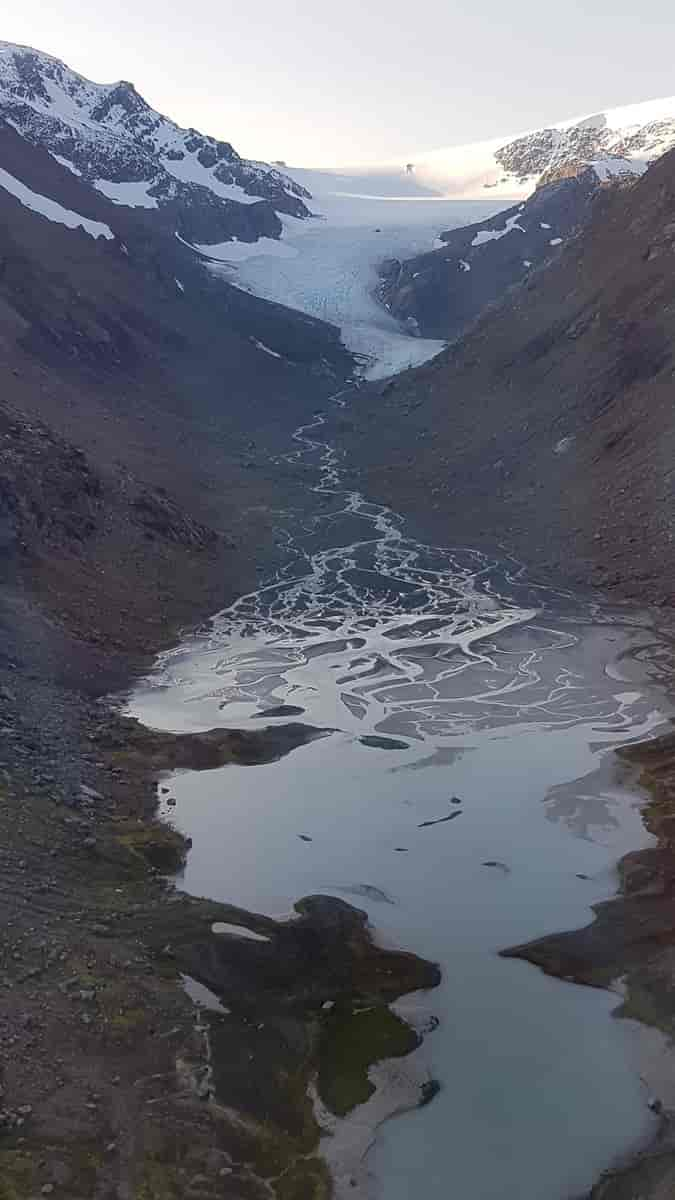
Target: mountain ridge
x=109 y=136
x=615 y=141
x=548 y=425
x=439 y=293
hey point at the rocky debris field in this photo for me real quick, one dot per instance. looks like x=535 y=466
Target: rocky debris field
x=113 y=1083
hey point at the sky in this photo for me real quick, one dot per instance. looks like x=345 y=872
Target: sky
x=358 y=81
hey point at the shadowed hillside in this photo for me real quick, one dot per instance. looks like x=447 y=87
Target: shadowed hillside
x=550 y=426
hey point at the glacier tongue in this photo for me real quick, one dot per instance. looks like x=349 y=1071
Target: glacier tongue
x=328 y=267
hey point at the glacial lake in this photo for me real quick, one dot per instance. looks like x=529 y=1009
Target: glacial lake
x=455 y=688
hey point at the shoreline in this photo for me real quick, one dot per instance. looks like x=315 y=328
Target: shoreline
x=629 y=948
x=228 y=1108
x=116 y=839
x=101 y=853
x=347 y=1154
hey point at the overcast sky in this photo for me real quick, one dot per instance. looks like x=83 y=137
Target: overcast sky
x=362 y=80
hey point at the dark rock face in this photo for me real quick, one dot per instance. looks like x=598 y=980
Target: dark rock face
x=555 y=153
x=528 y=155
x=551 y=154
x=443 y=291
x=548 y=425
x=49 y=494
x=159 y=514
x=109 y=134
x=134 y=384
x=104 y=301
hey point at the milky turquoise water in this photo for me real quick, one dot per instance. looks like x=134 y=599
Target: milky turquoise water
x=478 y=687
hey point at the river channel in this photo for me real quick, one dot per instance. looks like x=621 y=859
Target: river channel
x=468 y=799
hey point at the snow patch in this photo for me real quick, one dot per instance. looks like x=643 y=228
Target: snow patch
x=222 y=927
x=267 y=349
x=543 y=225
x=493 y=235
x=190 y=170
x=203 y=996
x=179 y=285
x=46 y=207
x=64 y=162
x=616 y=168
x=463 y=265
x=526 y=262
x=132 y=193
x=232 y=252
x=555 y=242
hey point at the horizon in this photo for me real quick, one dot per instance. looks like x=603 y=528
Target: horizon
x=383 y=164
x=345 y=106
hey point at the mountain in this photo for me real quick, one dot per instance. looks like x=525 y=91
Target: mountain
x=439 y=293
x=618 y=141
x=107 y=135
x=379 y=224
x=549 y=426
x=174 y=388
x=558 y=170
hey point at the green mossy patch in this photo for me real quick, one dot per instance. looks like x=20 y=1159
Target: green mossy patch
x=307 y=1179
x=159 y=1181
x=352 y=1042
x=17 y=1172
x=160 y=845
x=22 y=1169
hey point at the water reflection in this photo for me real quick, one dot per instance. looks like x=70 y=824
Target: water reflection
x=455 y=687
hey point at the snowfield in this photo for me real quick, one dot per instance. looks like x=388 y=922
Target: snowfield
x=618 y=141
x=328 y=266
x=134 y=195
x=51 y=209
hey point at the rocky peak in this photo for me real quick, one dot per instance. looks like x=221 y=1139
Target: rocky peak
x=121 y=95
x=559 y=152
x=110 y=137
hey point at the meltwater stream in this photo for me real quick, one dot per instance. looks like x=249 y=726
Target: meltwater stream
x=455 y=689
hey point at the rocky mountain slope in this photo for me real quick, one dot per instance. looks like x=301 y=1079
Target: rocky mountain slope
x=145 y=407
x=439 y=293
x=174 y=386
x=108 y=136
x=550 y=425
x=618 y=142
x=145 y=410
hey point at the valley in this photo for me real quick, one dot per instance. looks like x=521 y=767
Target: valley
x=454 y=689
x=336 y=580
x=329 y=269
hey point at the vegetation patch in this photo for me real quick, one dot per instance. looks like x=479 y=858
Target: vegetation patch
x=352 y=1042
x=25 y=1170
x=17 y=1173
x=307 y=1179
x=159 y=844
x=159 y=1181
